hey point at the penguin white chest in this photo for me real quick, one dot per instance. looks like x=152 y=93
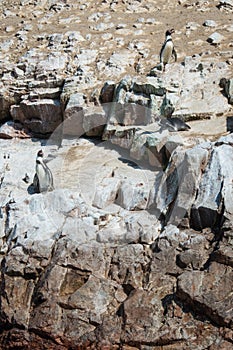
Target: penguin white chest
x=167 y=52
x=44 y=177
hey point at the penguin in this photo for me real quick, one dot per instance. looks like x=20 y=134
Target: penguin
x=43 y=179
x=174 y=124
x=177 y=124
x=167 y=50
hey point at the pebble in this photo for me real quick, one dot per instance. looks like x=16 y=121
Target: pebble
x=215 y=38
x=150 y=21
x=137 y=25
x=9 y=29
x=210 y=23
x=121 y=26
x=192 y=25
x=6 y=45
x=141 y=20
x=107 y=36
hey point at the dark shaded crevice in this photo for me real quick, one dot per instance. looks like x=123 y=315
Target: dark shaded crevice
x=166 y=302
x=128 y=288
x=189 y=308
x=158 y=342
x=4 y=322
x=146 y=274
x=7 y=220
x=43 y=335
x=37 y=297
x=198 y=310
x=219 y=234
x=121 y=313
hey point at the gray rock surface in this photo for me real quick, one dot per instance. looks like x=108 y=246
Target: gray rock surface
x=133 y=248
x=115 y=281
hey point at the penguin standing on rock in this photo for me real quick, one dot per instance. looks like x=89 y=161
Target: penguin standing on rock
x=167 y=50
x=43 y=179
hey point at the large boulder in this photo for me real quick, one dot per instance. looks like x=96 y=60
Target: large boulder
x=41 y=117
x=197 y=185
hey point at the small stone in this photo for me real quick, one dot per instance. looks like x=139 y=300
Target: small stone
x=192 y=26
x=107 y=36
x=209 y=23
x=121 y=26
x=9 y=29
x=215 y=38
x=18 y=72
x=150 y=21
x=141 y=20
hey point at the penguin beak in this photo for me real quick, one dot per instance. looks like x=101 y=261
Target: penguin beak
x=172 y=31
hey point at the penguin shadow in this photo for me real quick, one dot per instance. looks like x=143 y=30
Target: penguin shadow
x=31 y=189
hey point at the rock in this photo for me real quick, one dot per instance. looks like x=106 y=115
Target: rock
x=106 y=192
x=225 y=5
x=192 y=26
x=192 y=259
x=7 y=99
x=210 y=23
x=133 y=248
x=55 y=39
x=136 y=309
x=9 y=29
x=94 y=121
x=95 y=266
x=118 y=62
x=107 y=92
x=154 y=147
x=183 y=174
x=40 y=116
x=206 y=211
x=18 y=73
x=7 y=44
x=73 y=115
x=86 y=57
x=204 y=290
x=101 y=27
x=74 y=37
x=114 y=232
x=10 y=130
x=132 y=196
x=215 y=38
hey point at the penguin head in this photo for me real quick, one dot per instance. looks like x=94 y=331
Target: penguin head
x=40 y=153
x=170 y=32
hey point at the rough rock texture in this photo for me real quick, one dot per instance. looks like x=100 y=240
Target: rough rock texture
x=133 y=248
x=87 y=264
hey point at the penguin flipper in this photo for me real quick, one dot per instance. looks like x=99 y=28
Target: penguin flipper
x=160 y=54
x=174 y=54
x=36 y=183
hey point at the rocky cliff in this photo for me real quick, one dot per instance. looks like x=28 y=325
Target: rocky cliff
x=133 y=247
